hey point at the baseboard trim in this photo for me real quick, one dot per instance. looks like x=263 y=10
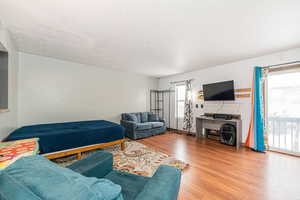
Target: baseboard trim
x=181 y=131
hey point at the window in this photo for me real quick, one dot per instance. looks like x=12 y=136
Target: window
x=3 y=80
x=180 y=98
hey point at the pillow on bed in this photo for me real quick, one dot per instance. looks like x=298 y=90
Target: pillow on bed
x=35 y=177
x=12 y=151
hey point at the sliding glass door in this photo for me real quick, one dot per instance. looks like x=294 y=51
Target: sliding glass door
x=283 y=111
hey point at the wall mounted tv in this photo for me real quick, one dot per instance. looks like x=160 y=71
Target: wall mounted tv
x=221 y=91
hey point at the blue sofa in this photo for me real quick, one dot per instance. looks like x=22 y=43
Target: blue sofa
x=142 y=124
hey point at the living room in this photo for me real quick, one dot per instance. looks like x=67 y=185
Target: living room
x=134 y=99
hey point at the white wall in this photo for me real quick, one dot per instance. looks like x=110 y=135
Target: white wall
x=241 y=72
x=52 y=90
x=8 y=120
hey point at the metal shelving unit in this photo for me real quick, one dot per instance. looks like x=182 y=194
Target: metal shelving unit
x=158 y=99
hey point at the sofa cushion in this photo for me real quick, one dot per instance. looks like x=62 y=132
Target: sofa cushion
x=164 y=184
x=153 y=117
x=38 y=178
x=156 y=124
x=144 y=117
x=131 y=117
x=143 y=126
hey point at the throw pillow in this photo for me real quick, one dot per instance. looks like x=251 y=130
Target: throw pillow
x=131 y=117
x=144 y=117
x=12 y=151
x=36 y=177
x=153 y=117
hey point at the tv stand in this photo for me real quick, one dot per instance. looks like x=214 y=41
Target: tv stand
x=208 y=122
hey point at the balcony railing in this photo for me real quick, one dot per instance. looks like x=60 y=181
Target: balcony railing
x=284 y=134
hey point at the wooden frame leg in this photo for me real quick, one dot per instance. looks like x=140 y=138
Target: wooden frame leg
x=78 y=151
x=79 y=156
x=123 y=146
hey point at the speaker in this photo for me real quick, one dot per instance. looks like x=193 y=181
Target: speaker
x=228 y=134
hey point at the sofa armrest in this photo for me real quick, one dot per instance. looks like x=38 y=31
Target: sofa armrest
x=164 y=185
x=129 y=124
x=162 y=120
x=97 y=165
x=130 y=127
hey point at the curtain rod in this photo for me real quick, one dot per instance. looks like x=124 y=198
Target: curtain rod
x=287 y=63
x=174 y=82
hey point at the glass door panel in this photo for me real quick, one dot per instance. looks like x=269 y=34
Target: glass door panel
x=283 y=94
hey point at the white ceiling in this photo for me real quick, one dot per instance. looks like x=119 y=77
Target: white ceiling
x=152 y=37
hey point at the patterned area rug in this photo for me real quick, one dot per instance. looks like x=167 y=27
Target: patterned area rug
x=136 y=159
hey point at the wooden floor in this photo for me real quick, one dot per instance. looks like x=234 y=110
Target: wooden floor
x=218 y=172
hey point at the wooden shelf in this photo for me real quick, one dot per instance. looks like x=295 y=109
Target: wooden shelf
x=239 y=93
x=243 y=90
x=242 y=95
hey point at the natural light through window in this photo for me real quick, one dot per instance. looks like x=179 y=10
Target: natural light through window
x=284 y=111
x=180 y=98
x=284 y=95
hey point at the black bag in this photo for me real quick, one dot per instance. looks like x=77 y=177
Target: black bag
x=228 y=134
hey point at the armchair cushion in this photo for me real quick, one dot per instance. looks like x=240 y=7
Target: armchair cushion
x=90 y=165
x=156 y=124
x=36 y=177
x=163 y=185
x=153 y=117
x=131 y=184
x=143 y=126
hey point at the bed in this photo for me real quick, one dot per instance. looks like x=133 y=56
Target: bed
x=62 y=139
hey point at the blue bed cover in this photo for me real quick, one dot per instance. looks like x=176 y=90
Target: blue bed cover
x=62 y=136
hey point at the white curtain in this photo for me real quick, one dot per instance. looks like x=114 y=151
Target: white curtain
x=188 y=107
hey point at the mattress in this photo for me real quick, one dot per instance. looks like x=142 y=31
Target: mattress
x=63 y=136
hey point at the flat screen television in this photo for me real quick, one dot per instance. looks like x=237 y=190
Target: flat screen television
x=221 y=91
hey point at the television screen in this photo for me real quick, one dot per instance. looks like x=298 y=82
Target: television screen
x=222 y=91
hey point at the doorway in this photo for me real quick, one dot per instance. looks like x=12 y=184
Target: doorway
x=283 y=111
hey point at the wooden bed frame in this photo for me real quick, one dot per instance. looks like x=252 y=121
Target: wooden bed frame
x=78 y=151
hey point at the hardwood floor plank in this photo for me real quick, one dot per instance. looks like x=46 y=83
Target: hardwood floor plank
x=220 y=172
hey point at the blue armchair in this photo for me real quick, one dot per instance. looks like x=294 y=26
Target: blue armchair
x=163 y=185
x=37 y=178
x=142 y=124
